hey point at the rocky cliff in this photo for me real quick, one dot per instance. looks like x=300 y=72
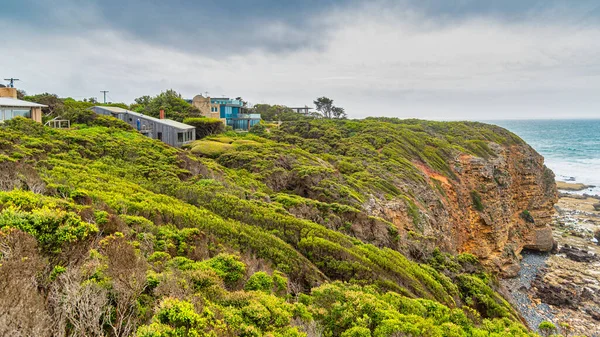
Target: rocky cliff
x=493 y=208
x=493 y=200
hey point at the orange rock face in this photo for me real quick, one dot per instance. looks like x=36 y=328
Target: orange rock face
x=493 y=208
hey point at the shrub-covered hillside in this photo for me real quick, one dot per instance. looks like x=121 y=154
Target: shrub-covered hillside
x=104 y=232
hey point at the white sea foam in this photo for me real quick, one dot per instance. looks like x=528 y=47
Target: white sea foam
x=571 y=147
x=584 y=171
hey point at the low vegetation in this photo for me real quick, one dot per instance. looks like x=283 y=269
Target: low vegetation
x=104 y=232
x=205 y=126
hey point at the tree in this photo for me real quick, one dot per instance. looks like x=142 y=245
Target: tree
x=276 y=113
x=170 y=101
x=338 y=112
x=326 y=109
x=55 y=106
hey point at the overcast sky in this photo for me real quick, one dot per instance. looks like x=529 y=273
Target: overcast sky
x=434 y=59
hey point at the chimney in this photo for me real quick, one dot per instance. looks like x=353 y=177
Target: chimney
x=162 y=114
x=8 y=92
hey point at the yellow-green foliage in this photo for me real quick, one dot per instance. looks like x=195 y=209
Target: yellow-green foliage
x=49 y=220
x=339 y=309
x=195 y=221
x=209 y=148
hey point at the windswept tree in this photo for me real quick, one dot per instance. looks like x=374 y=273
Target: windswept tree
x=276 y=112
x=326 y=109
x=170 y=101
x=54 y=105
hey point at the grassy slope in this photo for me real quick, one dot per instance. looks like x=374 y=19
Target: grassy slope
x=113 y=180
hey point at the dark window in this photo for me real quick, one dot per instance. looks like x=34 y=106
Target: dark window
x=180 y=137
x=159 y=135
x=131 y=120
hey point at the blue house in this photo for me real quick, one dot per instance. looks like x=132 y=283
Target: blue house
x=235 y=113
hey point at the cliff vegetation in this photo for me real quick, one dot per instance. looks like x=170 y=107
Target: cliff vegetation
x=313 y=228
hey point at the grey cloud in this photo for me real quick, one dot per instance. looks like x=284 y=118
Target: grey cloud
x=210 y=27
x=407 y=58
x=219 y=29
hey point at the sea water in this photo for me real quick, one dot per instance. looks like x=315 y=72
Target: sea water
x=571 y=148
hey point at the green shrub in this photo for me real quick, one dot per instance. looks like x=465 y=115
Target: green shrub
x=52 y=227
x=259 y=129
x=546 y=328
x=206 y=126
x=228 y=267
x=280 y=282
x=357 y=331
x=477 y=202
x=260 y=281
x=526 y=215
x=210 y=149
x=174 y=318
x=56 y=272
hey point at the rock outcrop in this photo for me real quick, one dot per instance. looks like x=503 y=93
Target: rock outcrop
x=493 y=208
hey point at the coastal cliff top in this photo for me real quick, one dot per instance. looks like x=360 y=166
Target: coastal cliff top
x=296 y=211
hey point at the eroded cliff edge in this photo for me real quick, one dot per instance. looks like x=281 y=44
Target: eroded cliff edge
x=493 y=208
x=462 y=187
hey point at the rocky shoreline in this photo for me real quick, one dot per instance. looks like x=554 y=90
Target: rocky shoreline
x=563 y=287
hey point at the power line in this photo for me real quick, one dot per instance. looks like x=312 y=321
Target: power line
x=104 y=92
x=11 y=81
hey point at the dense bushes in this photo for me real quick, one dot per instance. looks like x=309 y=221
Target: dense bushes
x=174 y=244
x=206 y=126
x=44 y=219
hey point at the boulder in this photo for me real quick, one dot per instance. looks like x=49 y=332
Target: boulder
x=540 y=239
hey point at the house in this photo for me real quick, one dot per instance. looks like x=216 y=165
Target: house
x=233 y=112
x=11 y=107
x=305 y=110
x=166 y=130
x=207 y=106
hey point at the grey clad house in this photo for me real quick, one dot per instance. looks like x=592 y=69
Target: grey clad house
x=166 y=130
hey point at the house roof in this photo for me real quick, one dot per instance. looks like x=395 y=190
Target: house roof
x=112 y=109
x=17 y=103
x=165 y=121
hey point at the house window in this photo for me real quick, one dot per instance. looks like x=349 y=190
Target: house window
x=22 y=113
x=6 y=114
x=180 y=137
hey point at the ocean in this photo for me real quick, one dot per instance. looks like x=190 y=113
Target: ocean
x=571 y=148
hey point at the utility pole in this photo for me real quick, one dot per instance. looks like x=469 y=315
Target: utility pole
x=11 y=81
x=104 y=92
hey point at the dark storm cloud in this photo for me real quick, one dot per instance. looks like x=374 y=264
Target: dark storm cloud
x=219 y=28
x=507 y=9
x=208 y=27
